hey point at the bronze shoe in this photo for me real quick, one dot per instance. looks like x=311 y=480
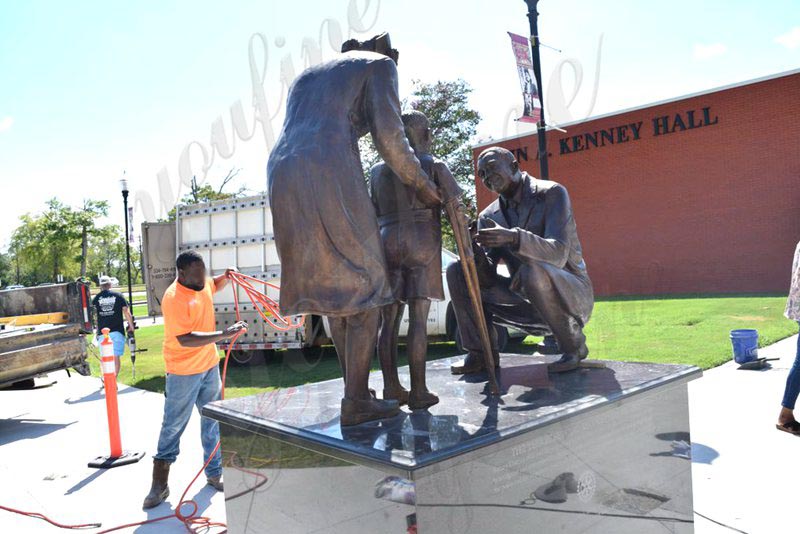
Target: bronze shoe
x=421 y=401
x=473 y=363
x=357 y=411
x=569 y=361
x=400 y=395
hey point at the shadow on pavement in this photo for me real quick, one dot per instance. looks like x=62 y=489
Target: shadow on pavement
x=12 y=430
x=96 y=395
x=80 y=485
x=703 y=454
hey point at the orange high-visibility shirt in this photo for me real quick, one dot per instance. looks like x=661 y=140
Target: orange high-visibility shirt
x=185 y=311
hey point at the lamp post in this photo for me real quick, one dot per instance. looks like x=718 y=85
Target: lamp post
x=533 y=19
x=124 y=186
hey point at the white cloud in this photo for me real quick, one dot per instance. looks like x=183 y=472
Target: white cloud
x=703 y=51
x=790 y=39
x=6 y=123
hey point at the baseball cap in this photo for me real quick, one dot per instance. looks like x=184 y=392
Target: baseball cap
x=105 y=280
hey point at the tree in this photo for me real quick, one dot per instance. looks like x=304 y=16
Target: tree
x=59 y=241
x=45 y=244
x=453 y=128
x=84 y=223
x=107 y=255
x=108 y=251
x=206 y=193
x=6 y=270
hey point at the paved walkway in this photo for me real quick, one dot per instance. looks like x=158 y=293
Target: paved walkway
x=48 y=435
x=742 y=467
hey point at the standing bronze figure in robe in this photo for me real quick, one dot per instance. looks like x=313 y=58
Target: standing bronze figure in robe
x=531 y=228
x=326 y=231
x=411 y=233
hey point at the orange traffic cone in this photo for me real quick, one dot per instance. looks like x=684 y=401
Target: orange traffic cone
x=108 y=368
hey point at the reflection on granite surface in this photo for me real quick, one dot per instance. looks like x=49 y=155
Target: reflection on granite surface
x=466 y=417
x=600 y=450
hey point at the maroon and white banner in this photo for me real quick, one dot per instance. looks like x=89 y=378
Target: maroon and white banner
x=131 y=240
x=527 y=80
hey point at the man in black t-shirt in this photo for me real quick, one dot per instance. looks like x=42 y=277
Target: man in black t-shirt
x=111 y=307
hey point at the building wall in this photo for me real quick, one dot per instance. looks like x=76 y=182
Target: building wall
x=712 y=204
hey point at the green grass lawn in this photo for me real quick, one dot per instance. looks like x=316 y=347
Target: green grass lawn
x=689 y=330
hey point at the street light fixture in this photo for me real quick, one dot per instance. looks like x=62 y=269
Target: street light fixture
x=541 y=128
x=124 y=186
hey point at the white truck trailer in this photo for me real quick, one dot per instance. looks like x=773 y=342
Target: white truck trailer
x=238 y=232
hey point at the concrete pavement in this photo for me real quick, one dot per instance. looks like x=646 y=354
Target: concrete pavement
x=48 y=435
x=742 y=467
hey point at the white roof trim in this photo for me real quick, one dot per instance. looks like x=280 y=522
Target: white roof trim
x=645 y=106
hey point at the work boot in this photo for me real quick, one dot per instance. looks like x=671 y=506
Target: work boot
x=473 y=363
x=216 y=483
x=569 y=361
x=159 y=490
x=357 y=411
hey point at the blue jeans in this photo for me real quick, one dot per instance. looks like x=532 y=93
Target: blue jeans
x=183 y=393
x=792 y=382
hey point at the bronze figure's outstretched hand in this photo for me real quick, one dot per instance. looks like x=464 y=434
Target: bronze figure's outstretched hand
x=496 y=236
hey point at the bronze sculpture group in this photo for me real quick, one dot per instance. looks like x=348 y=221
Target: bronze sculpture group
x=359 y=254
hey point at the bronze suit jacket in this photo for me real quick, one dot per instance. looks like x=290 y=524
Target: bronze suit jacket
x=549 y=236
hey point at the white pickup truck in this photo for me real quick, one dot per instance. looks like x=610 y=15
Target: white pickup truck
x=239 y=232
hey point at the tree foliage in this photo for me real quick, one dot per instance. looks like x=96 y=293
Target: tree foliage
x=453 y=127
x=199 y=194
x=6 y=270
x=83 y=223
x=108 y=255
x=67 y=242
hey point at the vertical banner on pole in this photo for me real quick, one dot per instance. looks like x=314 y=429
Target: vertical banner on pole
x=527 y=80
x=131 y=240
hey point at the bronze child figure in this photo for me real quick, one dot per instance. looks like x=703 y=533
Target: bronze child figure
x=411 y=234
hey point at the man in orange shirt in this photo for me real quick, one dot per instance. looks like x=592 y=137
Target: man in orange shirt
x=192 y=365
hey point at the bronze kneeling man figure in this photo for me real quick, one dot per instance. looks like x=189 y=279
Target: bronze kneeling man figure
x=531 y=228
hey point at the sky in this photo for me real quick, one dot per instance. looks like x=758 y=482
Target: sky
x=90 y=90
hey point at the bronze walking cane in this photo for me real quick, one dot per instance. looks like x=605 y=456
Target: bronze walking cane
x=464 y=244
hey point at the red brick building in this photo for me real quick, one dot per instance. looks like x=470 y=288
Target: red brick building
x=700 y=194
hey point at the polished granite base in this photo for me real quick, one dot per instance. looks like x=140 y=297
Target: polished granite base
x=472 y=463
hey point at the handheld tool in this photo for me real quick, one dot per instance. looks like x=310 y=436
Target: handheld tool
x=132 y=347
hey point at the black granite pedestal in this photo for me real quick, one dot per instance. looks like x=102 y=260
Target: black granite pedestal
x=472 y=463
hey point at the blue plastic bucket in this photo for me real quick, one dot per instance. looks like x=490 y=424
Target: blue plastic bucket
x=745 y=345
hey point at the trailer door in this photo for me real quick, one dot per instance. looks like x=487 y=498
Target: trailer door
x=160 y=249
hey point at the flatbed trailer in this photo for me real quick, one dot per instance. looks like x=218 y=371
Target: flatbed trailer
x=43 y=329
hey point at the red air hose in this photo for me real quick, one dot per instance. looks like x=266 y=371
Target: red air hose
x=193 y=523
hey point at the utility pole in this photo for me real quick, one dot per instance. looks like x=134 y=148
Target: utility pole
x=533 y=18
x=124 y=185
